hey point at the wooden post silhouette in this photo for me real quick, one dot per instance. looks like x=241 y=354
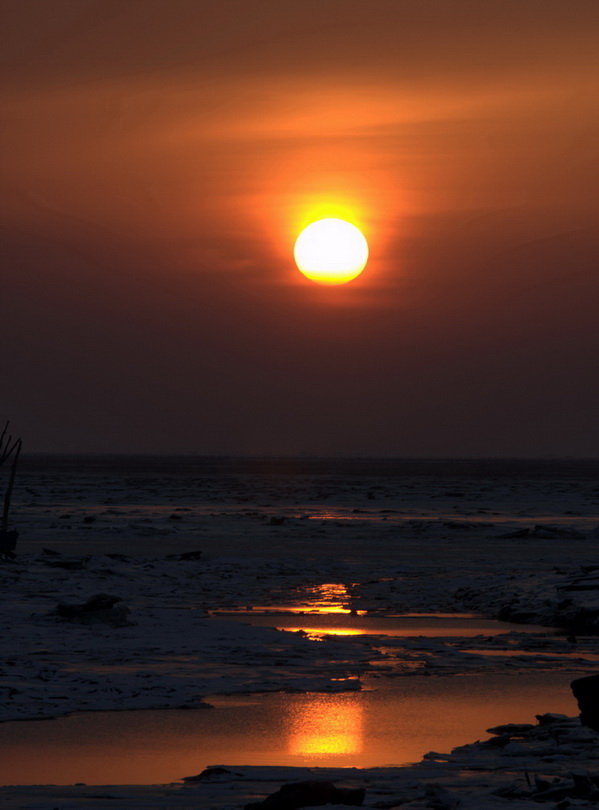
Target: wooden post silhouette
x=8 y=448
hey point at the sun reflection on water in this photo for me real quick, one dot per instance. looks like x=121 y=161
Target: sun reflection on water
x=326 y=724
x=329 y=597
x=318 y=633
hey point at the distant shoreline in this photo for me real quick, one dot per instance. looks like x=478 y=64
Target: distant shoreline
x=587 y=468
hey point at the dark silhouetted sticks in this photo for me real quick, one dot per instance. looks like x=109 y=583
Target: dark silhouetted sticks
x=8 y=448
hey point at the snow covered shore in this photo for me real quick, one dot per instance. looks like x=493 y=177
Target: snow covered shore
x=170 y=651
x=510 y=547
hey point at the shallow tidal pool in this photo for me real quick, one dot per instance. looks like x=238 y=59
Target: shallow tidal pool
x=392 y=721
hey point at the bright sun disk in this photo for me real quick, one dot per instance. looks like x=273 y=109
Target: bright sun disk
x=331 y=251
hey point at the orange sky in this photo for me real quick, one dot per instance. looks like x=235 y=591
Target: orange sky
x=160 y=158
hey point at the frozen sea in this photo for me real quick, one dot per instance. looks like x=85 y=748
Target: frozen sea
x=307 y=613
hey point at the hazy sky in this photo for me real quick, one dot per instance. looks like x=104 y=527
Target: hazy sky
x=161 y=156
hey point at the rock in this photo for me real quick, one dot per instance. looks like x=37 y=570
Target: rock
x=513 y=729
x=545 y=532
x=550 y=717
x=499 y=741
x=99 y=609
x=309 y=794
x=588 y=584
x=513 y=613
x=439 y=798
x=549 y=532
x=585 y=621
x=515 y=534
x=8 y=543
x=144 y=530
x=515 y=749
x=582 y=783
x=185 y=555
x=541 y=785
x=213 y=773
x=586 y=692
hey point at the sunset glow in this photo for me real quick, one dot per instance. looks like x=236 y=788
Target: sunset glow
x=165 y=157
x=301 y=340
x=331 y=251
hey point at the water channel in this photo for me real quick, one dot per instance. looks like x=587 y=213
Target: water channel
x=391 y=722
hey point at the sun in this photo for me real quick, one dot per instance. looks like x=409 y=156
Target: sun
x=331 y=251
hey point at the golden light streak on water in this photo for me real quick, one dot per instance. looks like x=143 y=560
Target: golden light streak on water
x=316 y=633
x=327 y=725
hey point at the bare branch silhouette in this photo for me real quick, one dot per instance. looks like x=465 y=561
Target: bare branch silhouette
x=8 y=448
